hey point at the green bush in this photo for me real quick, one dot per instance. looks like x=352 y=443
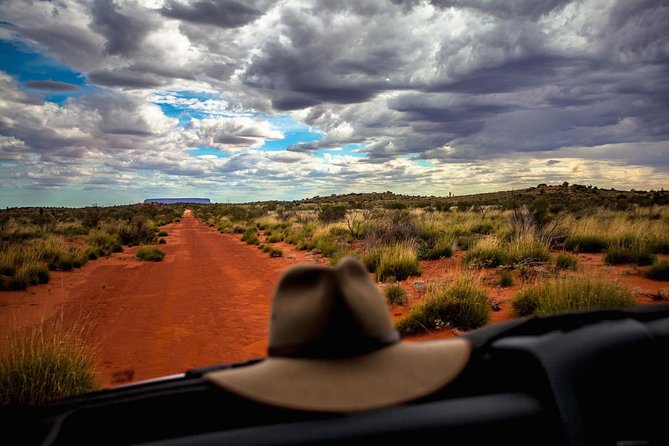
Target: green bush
x=585 y=243
x=162 y=234
x=395 y=294
x=505 y=278
x=397 y=262
x=570 y=294
x=251 y=237
x=442 y=249
x=44 y=365
x=658 y=271
x=162 y=241
x=617 y=254
x=331 y=213
x=149 y=253
x=566 y=261
x=462 y=305
x=275 y=252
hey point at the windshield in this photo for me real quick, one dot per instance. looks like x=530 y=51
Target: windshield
x=164 y=163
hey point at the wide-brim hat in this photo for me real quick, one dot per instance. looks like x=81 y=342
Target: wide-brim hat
x=333 y=347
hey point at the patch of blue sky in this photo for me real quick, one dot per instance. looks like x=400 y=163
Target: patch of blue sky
x=290 y=138
x=417 y=162
x=347 y=150
x=207 y=151
x=28 y=65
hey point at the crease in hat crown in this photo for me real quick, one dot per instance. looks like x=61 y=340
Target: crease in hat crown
x=322 y=312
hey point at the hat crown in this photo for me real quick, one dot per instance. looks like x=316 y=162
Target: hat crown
x=321 y=312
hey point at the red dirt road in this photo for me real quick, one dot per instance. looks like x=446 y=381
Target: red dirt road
x=208 y=302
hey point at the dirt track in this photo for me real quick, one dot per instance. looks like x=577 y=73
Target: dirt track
x=208 y=302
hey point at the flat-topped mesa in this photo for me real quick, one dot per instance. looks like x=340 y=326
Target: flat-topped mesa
x=177 y=200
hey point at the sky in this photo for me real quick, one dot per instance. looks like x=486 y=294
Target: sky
x=111 y=102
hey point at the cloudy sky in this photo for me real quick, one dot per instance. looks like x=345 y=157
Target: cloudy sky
x=113 y=102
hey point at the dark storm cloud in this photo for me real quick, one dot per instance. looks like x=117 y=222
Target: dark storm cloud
x=51 y=86
x=69 y=43
x=124 y=33
x=125 y=79
x=223 y=14
x=507 y=8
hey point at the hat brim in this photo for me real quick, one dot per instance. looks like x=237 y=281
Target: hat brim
x=392 y=375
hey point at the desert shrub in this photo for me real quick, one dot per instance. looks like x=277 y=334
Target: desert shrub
x=326 y=245
x=485 y=227
x=621 y=252
x=463 y=305
x=491 y=252
x=527 y=249
x=658 y=271
x=276 y=236
x=150 y=253
x=46 y=364
x=395 y=294
x=370 y=258
x=487 y=252
x=585 y=243
x=162 y=241
x=466 y=241
x=162 y=234
x=397 y=262
x=566 y=261
x=104 y=242
x=138 y=231
x=570 y=294
x=331 y=213
x=250 y=236
x=70 y=229
x=391 y=228
x=275 y=252
x=443 y=248
x=505 y=278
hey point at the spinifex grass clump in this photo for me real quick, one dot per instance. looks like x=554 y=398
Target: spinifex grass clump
x=632 y=250
x=250 y=236
x=566 y=261
x=45 y=364
x=150 y=253
x=505 y=278
x=397 y=262
x=395 y=294
x=491 y=252
x=463 y=304
x=570 y=294
x=659 y=270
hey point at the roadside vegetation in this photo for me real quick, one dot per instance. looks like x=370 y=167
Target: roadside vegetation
x=44 y=364
x=570 y=294
x=463 y=304
x=35 y=241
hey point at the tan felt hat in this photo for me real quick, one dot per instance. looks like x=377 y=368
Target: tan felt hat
x=333 y=347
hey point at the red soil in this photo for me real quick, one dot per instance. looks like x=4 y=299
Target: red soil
x=209 y=301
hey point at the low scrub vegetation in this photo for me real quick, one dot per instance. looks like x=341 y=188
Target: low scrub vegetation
x=463 y=305
x=566 y=261
x=395 y=294
x=150 y=253
x=658 y=271
x=34 y=241
x=397 y=262
x=45 y=364
x=570 y=294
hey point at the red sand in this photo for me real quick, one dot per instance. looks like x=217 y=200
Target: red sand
x=209 y=301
